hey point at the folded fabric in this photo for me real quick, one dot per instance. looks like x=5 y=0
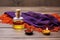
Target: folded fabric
x=10 y=13
x=37 y=19
x=40 y=20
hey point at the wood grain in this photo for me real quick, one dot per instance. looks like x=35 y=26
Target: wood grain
x=11 y=34
x=7 y=33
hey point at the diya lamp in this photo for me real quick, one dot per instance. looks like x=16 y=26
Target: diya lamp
x=46 y=31
x=29 y=32
x=18 y=22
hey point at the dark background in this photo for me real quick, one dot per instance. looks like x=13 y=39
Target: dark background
x=52 y=3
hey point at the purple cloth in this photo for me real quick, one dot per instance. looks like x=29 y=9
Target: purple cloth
x=40 y=20
x=11 y=14
x=37 y=19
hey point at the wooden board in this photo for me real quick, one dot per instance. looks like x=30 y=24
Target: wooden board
x=8 y=33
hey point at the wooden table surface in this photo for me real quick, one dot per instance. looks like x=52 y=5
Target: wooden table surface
x=7 y=33
x=34 y=9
